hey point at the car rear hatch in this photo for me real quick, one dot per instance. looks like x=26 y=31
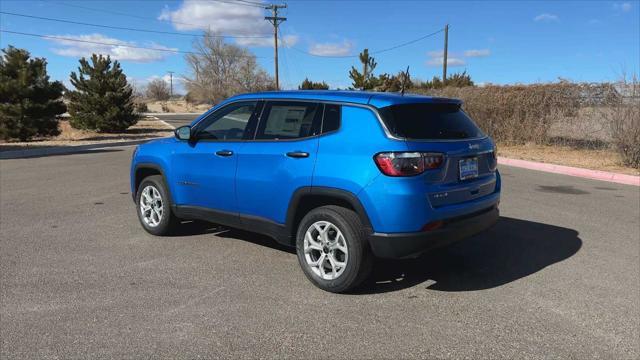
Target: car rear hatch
x=468 y=169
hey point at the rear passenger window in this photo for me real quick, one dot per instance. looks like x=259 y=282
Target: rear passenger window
x=288 y=120
x=331 y=120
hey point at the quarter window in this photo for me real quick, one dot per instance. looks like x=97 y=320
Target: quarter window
x=331 y=120
x=289 y=120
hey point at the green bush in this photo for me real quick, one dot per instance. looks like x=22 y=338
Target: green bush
x=29 y=102
x=103 y=100
x=141 y=107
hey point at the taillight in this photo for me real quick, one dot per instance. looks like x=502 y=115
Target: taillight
x=493 y=163
x=407 y=163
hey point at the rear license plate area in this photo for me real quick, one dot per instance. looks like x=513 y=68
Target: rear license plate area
x=468 y=168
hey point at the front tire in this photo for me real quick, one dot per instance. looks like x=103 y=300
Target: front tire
x=153 y=206
x=332 y=249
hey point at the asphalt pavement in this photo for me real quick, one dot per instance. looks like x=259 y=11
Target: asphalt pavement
x=176 y=120
x=558 y=276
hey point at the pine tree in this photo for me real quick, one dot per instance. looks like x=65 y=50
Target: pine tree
x=310 y=85
x=364 y=80
x=103 y=100
x=29 y=102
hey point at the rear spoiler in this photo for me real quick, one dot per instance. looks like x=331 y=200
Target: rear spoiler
x=384 y=101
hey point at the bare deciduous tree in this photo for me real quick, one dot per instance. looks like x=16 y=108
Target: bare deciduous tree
x=158 y=89
x=219 y=70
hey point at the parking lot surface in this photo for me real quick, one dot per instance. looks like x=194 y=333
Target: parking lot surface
x=556 y=277
x=177 y=120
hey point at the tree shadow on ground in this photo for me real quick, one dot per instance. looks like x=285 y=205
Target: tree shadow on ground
x=55 y=151
x=509 y=251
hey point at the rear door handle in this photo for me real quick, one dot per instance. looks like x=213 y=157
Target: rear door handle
x=297 y=154
x=224 y=153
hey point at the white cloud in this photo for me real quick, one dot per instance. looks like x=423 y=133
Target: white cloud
x=625 y=6
x=120 y=49
x=225 y=18
x=546 y=17
x=332 y=49
x=477 y=53
x=166 y=78
x=451 y=61
x=286 y=41
x=436 y=58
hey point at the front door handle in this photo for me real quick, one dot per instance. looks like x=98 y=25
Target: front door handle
x=298 y=154
x=224 y=153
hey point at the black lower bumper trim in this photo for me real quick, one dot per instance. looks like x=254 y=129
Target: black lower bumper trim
x=401 y=245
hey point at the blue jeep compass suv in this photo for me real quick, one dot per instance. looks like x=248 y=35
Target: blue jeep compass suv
x=342 y=176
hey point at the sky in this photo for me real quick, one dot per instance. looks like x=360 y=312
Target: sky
x=500 y=42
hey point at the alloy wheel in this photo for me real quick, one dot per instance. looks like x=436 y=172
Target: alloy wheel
x=151 y=206
x=325 y=250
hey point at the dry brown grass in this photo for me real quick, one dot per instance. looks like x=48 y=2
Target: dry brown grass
x=576 y=116
x=595 y=159
x=515 y=114
x=176 y=106
x=144 y=129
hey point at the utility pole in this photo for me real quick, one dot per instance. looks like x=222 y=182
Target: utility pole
x=170 y=83
x=275 y=21
x=364 y=72
x=444 y=62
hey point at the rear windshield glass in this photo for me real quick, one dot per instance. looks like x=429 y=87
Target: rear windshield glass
x=429 y=121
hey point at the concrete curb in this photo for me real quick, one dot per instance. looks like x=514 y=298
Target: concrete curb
x=67 y=150
x=170 y=114
x=572 y=171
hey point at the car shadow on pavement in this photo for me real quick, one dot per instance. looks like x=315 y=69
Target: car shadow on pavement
x=509 y=251
x=188 y=228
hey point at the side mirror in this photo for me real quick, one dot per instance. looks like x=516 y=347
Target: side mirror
x=183 y=133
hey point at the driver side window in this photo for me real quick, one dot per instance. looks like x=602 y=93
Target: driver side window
x=229 y=123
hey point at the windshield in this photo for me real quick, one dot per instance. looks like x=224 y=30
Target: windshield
x=429 y=121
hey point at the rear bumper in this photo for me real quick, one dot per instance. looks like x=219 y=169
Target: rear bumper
x=401 y=245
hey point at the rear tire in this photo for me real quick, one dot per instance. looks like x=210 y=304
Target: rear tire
x=153 y=205
x=332 y=249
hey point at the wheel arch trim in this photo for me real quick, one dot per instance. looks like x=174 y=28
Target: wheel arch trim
x=152 y=166
x=328 y=192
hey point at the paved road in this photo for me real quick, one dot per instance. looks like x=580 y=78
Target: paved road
x=177 y=120
x=556 y=277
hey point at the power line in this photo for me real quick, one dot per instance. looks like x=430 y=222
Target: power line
x=115 y=44
x=128 y=28
x=372 y=52
x=117 y=13
x=285 y=59
x=125 y=14
x=240 y=2
x=252 y=2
